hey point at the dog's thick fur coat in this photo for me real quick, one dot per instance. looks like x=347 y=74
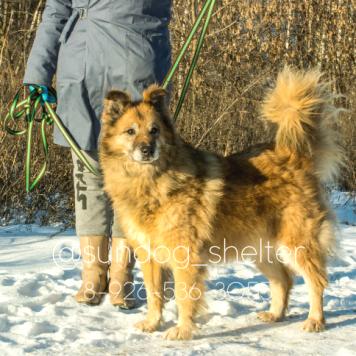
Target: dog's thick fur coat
x=170 y=194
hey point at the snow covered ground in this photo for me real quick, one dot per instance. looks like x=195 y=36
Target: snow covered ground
x=38 y=315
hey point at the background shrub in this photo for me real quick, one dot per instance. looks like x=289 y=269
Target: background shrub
x=246 y=44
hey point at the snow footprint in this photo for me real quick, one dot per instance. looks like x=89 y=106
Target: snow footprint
x=33 y=289
x=7 y=281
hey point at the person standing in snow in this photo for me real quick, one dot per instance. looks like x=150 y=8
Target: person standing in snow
x=97 y=45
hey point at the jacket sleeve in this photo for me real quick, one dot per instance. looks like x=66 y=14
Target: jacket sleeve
x=42 y=62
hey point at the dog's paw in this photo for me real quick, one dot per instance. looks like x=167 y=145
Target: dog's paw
x=267 y=317
x=178 y=333
x=146 y=326
x=313 y=326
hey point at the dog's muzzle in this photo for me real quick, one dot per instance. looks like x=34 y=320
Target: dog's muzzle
x=146 y=154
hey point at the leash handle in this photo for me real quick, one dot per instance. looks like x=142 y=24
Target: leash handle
x=29 y=108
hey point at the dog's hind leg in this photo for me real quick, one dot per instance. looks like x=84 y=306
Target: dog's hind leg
x=281 y=283
x=312 y=268
x=189 y=293
x=309 y=245
x=153 y=276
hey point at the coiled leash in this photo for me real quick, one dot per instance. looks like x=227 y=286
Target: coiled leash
x=29 y=106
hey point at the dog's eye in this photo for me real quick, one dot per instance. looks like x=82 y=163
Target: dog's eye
x=131 y=132
x=154 y=130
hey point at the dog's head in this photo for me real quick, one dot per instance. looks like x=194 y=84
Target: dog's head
x=141 y=132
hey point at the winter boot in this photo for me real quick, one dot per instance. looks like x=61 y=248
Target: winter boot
x=94 y=251
x=122 y=264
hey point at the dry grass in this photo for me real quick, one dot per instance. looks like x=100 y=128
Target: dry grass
x=246 y=44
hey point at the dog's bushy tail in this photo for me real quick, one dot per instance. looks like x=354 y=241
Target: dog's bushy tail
x=298 y=110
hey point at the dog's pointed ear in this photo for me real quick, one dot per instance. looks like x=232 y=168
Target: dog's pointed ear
x=155 y=95
x=115 y=103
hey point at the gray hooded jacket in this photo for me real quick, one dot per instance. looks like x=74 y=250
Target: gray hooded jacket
x=97 y=45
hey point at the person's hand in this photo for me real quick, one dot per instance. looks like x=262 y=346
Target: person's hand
x=45 y=95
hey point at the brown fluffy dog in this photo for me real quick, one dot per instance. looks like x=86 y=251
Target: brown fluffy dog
x=171 y=197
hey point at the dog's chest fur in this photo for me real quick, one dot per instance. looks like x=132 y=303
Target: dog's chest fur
x=175 y=207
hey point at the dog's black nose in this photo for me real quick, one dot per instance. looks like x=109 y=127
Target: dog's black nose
x=147 y=151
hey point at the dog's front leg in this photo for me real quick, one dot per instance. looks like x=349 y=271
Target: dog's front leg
x=153 y=279
x=189 y=295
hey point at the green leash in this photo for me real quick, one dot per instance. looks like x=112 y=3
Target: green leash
x=30 y=104
x=182 y=51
